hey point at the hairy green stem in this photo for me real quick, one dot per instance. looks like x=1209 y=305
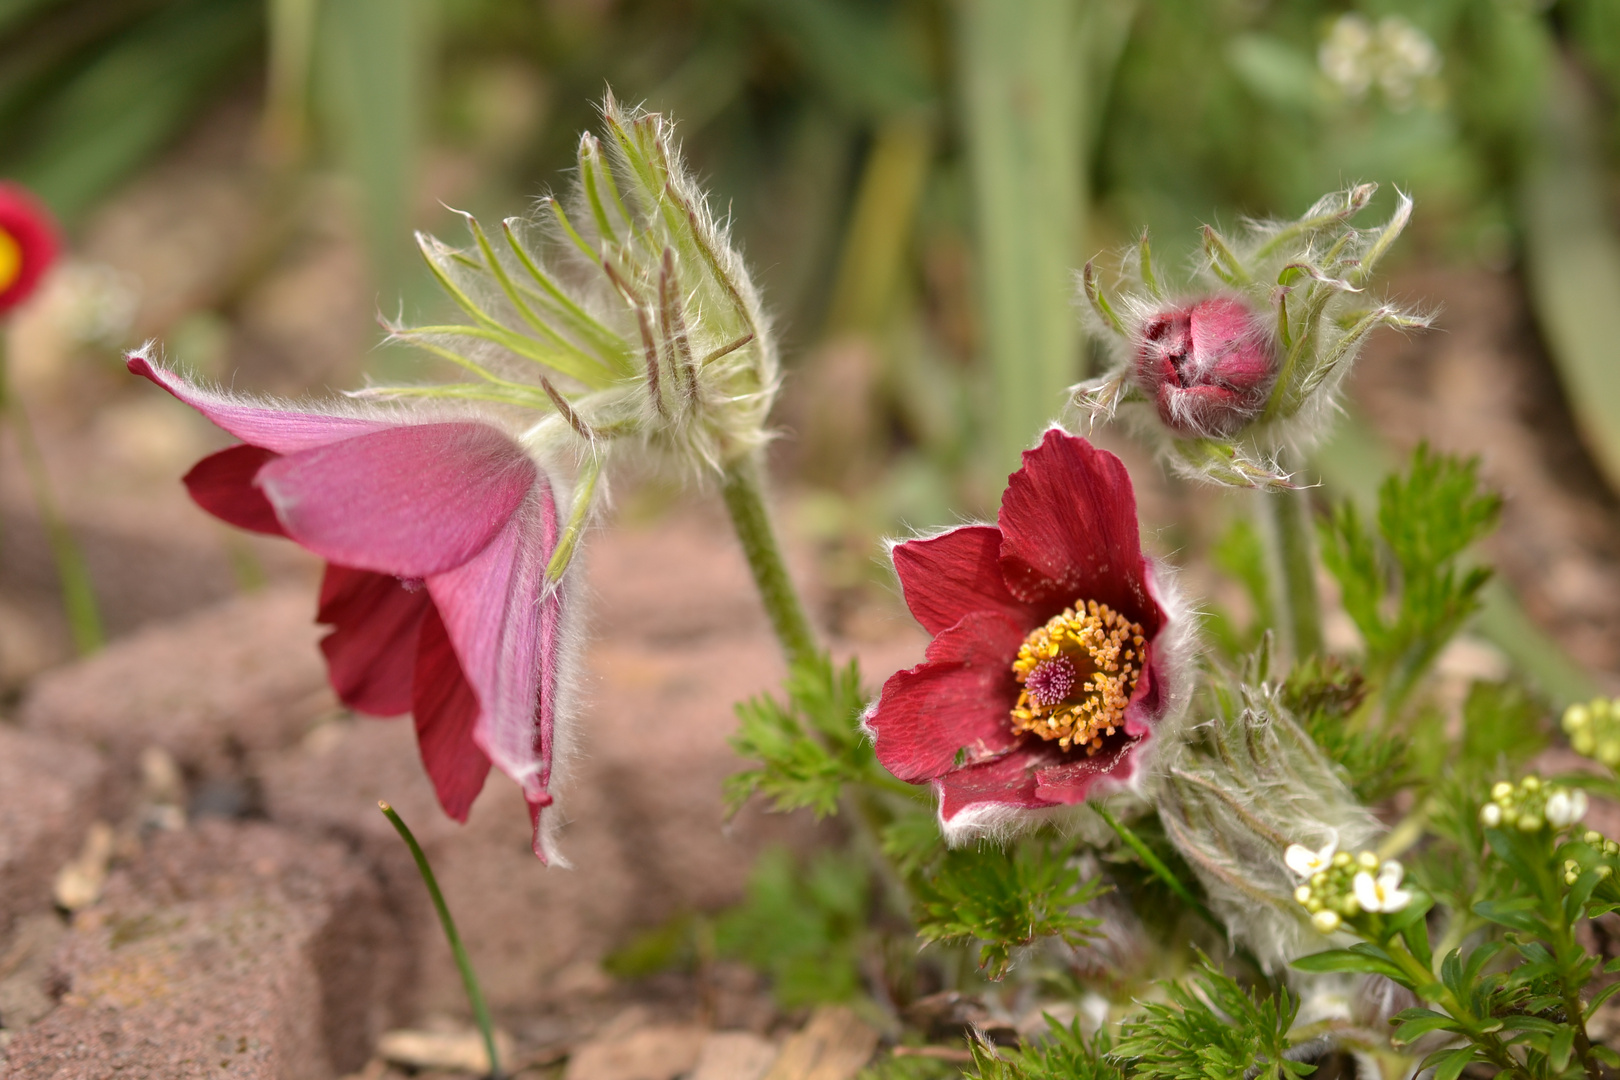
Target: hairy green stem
x=469 y=978
x=78 y=595
x=744 y=495
x=1290 y=514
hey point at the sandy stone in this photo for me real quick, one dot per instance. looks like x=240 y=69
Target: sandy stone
x=50 y=792
x=659 y=1052
x=25 y=970
x=210 y=689
x=227 y=947
x=835 y=1045
x=734 y=1055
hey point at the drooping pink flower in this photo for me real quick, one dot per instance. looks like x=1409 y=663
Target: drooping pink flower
x=1056 y=657
x=437 y=533
x=1208 y=366
x=28 y=244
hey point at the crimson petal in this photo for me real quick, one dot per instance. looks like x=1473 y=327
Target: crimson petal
x=1008 y=782
x=947 y=576
x=1069 y=532
x=414 y=500
x=446 y=710
x=222 y=484
x=508 y=632
x=371 y=652
x=959 y=698
x=1070 y=780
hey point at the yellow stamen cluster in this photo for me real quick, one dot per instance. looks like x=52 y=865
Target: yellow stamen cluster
x=1105 y=650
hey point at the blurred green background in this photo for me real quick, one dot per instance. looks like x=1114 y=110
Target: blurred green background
x=915 y=181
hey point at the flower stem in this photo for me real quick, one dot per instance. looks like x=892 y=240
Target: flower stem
x=78 y=595
x=469 y=979
x=1291 y=522
x=745 y=500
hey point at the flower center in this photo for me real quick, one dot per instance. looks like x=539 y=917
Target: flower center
x=10 y=259
x=1078 y=673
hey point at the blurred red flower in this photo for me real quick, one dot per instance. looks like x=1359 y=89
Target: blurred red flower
x=28 y=244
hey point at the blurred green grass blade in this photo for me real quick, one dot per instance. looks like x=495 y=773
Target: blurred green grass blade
x=1572 y=256
x=1353 y=463
x=13 y=12
x=878 y=236
x=1030 y=75
x=372 y=59
x=126 y=104
x=862 y=54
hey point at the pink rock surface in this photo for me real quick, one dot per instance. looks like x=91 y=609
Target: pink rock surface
x=50 y=792
x=226 y=950
x=211 y=688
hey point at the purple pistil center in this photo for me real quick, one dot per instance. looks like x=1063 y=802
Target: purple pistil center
x=1051 y=682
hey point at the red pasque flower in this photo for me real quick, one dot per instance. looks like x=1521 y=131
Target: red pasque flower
x=1055 y=660
x=28 y=244
x=1209 y=366
x=437 y=532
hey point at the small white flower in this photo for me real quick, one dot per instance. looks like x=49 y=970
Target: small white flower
x=1326 y=921
x=1565 y=807
x=1383 y=893
x=1490 y=815
x=1305 y=862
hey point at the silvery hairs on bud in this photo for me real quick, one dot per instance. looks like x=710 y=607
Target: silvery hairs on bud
x=1245 y=784
x=1244 y=389
x=621 y=310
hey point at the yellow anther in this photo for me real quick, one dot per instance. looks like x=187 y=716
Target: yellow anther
x=1091 y=638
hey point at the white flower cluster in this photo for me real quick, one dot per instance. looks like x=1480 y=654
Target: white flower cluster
x=1340 y=886
x=1532 y=804
x=1394 y=55
x=1594 y=730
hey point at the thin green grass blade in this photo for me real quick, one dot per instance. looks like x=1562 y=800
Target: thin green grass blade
x=469 y=978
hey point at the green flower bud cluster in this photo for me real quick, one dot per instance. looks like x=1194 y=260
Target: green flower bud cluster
x=1532 y=804
x=1603 y=846
x=1340 y=886
x=1594 y=730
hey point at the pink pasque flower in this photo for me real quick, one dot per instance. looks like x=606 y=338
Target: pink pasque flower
x=437 y=533
x=1208 y=366
x=1057 y=653
x=28 y=244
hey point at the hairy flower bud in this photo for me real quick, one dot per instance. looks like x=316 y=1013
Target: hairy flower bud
x=1242 y=800
x=1208 y=366
x=1251 y=363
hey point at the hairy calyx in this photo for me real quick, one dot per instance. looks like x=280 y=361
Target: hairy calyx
x=1078 y=672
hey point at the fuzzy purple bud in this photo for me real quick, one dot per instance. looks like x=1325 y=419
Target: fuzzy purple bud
x=1208 y=366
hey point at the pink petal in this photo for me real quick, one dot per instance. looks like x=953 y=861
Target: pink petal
x=222 y=484
x=508 y=633
x=1070 y=780
x=413 y=501
x=959 y=698
x=371 y=652
x=283 y=430
x=1068 y=528
x=1007 y=782
x=946 y=576
x=446 y=711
